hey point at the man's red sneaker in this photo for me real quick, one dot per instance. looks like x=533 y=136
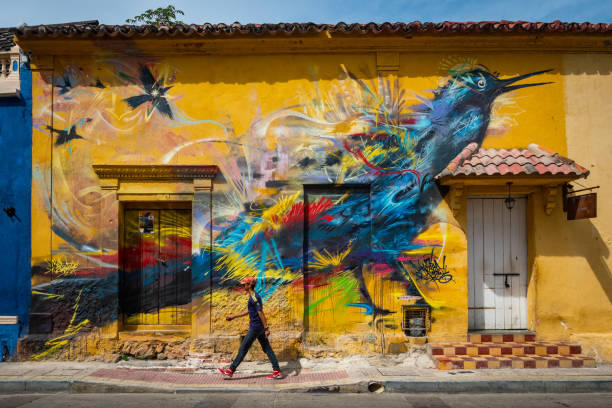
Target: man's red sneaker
x=276 y=375
x=227 y=373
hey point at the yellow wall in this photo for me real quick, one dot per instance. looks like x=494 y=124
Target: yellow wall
x=584 y=270
x=280 y=105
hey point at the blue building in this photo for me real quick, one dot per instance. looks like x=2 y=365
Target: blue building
x=15 y=190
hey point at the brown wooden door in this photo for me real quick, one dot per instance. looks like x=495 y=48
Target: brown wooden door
x=156 y=279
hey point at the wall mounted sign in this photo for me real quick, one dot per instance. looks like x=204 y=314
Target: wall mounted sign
x=582 y=206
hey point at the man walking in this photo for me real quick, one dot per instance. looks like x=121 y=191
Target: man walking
x=258 y=329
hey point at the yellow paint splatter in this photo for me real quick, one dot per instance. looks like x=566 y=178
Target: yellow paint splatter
x=328 y=260
x=72 y=329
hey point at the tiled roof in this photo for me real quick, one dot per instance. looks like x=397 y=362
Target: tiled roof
x=7 y=34
x=6 y=40
x=534 y=160
x=416 y=27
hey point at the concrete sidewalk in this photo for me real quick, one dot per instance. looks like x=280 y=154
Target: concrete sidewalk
x=177 y=377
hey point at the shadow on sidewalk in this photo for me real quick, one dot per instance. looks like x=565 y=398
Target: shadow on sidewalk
x=292 y=367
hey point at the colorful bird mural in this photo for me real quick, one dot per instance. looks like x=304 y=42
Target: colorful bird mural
x=326 y=198
x=397 y=153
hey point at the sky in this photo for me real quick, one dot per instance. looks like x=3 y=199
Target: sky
x=33 y=12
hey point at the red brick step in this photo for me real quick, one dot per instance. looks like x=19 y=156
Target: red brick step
x=531 y=361
x=485 y=351
x=505 y=349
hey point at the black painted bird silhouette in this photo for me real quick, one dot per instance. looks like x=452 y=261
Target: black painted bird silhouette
x=66 y=135
x=65 y=83
x=154 y=93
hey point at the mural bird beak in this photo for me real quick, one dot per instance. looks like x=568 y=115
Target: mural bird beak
x=509 y=81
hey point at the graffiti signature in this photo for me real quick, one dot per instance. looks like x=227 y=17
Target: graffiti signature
x=428 y=269
x=62 y=267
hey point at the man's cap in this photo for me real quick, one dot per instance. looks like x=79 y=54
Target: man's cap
x=248 y=280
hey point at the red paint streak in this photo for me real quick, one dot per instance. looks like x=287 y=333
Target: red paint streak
x=296 y=212
x=380 y=170
x=382 y=269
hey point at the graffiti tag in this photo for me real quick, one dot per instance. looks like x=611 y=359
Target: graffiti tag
x=428 y=269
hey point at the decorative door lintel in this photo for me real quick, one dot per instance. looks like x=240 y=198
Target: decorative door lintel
x=156 y=182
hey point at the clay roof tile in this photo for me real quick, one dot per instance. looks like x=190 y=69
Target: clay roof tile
x=534 y=160
x=85 y=28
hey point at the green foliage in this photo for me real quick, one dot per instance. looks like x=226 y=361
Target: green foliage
x=159 y=16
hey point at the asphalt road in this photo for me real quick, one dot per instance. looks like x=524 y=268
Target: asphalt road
x=295 y=400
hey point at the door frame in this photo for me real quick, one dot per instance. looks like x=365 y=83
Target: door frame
x=156 y=183
x=143 y=205
x=527 y=262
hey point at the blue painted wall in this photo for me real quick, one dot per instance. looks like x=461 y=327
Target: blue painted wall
x=15 y=189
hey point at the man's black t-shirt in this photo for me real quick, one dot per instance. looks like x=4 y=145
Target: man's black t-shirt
x=255 y=305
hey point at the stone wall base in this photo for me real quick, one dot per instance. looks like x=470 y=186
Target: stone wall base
x=178 y=345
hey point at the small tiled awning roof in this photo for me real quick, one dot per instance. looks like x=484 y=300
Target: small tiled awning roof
x=533 y=161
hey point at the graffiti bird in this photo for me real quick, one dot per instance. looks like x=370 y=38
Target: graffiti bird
x=68 y=134
x=421 y=143
x=458 y=115
x=400 y=151
x=154 y=93
x=65 y=83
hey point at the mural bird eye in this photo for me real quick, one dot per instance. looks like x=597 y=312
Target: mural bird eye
x=481 y=83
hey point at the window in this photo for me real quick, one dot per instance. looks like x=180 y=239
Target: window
x=415 y=322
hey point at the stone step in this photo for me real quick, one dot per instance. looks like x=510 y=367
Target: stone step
x=500 y=337
x=504 y=349
x=530 y=361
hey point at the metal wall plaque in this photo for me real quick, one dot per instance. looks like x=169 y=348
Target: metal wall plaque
x=582 y=206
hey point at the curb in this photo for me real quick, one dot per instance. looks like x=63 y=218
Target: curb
x=505 y=386
x=413 y=386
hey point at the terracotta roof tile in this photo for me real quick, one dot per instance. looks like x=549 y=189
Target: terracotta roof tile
x=6 y=40
x=82 y=29
x=534 y=160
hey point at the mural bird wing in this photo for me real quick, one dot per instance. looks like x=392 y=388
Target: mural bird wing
x=147 y=79
x=136 y=101
x=163 y=107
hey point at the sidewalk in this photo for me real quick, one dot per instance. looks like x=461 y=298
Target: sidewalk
x=302 y=375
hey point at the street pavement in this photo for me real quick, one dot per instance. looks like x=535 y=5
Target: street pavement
x=300 y=376
x=298 y=400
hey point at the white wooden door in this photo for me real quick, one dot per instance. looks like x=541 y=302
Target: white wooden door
x=497 y=264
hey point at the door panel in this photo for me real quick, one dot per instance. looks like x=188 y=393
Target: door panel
x=175 y=266
x=156 y=259
x=497 y=264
